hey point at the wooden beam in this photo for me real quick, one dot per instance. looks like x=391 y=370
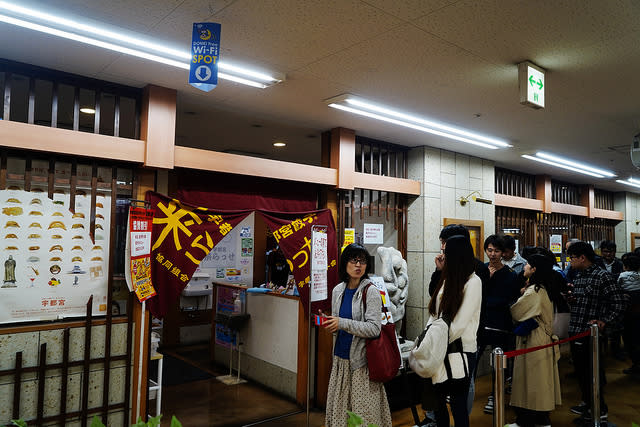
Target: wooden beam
x=518 y=202
x=158 y=126
x=63 y=141
x=194 y=158
x=603 y=213
x=543 y=192
x=564 y=208
x=343 y=156
x=386 y=183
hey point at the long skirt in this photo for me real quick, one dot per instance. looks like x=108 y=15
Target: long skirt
x=353 y=391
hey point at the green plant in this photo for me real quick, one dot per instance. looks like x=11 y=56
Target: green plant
x=356 y=420
x=153 y=422
x=97 y=422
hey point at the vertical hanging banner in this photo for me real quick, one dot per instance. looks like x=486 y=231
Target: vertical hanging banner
x=182 y=235
x=318 y=265
x=205 y=52
x=138 y=273
x=292 y=231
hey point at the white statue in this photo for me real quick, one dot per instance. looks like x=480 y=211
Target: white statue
x=394 y=274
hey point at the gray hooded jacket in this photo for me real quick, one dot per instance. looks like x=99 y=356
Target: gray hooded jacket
x=361 y=325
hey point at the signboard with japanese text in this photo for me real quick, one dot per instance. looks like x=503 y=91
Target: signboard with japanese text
x=373 y=234
x=318 y=266
x=349 y=237
x=292 y=231
x=205 y=52
x=229 y=260
x=182 y=235
x=555 y=243
x=51 y=264
x=138 y=271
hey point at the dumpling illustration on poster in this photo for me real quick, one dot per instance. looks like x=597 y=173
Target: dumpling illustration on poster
x=51 y=264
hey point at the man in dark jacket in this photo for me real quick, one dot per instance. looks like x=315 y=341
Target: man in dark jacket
x=502 y=290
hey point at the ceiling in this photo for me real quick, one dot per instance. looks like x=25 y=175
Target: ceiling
x=450 y=61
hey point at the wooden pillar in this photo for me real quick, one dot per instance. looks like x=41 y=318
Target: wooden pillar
x=145 y=182
x=543 y=192
x=158 y=126
x=342 y=156
x=587 y=199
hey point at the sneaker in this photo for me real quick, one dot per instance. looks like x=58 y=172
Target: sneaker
x=579 y=409
x=604 y=415
x=632 y=370
x=488 y=408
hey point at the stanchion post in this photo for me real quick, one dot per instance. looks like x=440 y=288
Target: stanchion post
x=498 y=362
x=595 y=371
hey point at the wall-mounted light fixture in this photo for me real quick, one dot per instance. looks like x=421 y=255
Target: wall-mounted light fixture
x=463 y=200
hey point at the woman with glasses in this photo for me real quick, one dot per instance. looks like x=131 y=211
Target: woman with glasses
x=349 y=386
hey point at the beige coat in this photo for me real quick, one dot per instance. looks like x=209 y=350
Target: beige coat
x=536 y=384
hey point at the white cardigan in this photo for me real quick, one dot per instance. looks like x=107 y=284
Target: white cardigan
x=465 y=323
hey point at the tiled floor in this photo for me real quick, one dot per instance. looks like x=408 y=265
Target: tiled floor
x=211 y=403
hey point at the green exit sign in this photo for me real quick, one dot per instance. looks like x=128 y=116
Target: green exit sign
x=532 y=84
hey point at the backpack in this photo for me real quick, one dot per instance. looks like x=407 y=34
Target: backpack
x=427 y=356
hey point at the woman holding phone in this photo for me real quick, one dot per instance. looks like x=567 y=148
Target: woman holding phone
x=350 y=388
x=457 y=300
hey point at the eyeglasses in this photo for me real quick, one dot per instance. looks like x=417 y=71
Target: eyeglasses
x=362 y=261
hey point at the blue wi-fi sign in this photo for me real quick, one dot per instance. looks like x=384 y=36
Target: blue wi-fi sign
x=205 y=53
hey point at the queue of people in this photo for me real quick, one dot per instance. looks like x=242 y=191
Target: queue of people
x=487 y=306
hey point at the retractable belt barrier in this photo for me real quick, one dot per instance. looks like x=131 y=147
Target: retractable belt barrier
x=499 y=359
x=515 y=353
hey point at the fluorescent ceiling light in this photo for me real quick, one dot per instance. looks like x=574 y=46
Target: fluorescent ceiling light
x=569 y=165
x=568 y=162
x=632 y=182
x=87 y=110
x=93 y=35
x=366 y=108
x=279 y=144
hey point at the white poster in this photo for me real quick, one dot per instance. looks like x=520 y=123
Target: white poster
x=373 y=234
x=318 y=288
x=555 y=243
x=50 y=264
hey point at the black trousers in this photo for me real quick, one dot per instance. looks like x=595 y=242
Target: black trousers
x=581 y=354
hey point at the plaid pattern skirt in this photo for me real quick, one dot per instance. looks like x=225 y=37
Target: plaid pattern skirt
x=353 y=391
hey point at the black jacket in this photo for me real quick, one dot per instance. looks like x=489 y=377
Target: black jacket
x=502 y=290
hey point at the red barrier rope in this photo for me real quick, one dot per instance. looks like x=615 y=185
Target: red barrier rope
x=515 y=353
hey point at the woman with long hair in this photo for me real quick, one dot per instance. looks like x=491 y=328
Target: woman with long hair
x=349 y=385
x=536 y=385
x=457 y=300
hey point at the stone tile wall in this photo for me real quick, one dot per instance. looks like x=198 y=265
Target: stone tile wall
x=445 y=177
x=29 y=343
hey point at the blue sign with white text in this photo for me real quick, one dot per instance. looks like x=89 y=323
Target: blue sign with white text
x=205 y=53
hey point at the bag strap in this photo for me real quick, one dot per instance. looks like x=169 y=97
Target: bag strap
x=364 y=301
